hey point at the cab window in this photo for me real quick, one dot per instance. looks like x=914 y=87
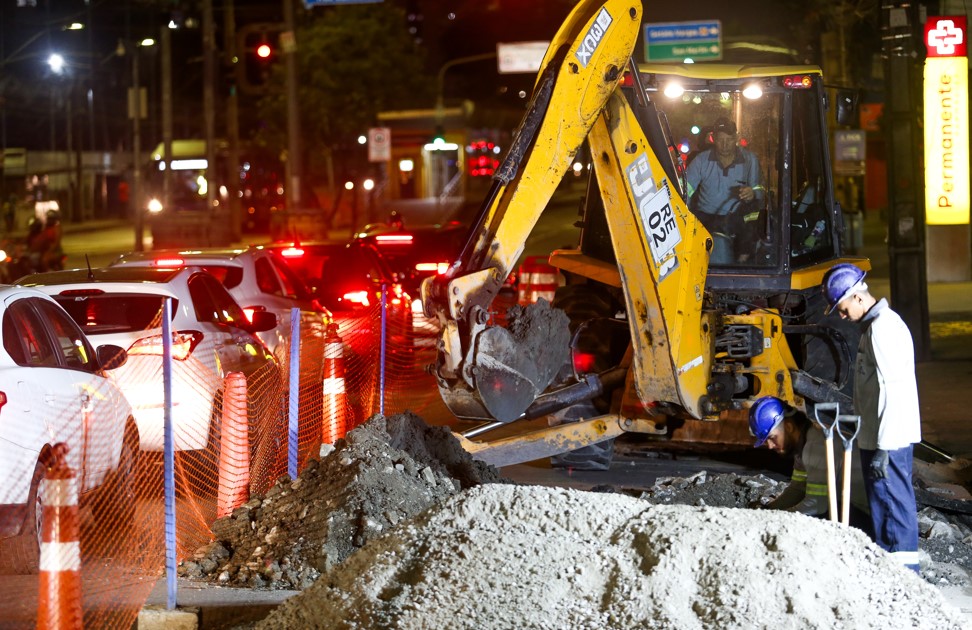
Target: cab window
x=811 y=226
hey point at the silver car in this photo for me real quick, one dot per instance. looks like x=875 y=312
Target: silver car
x=211 y=338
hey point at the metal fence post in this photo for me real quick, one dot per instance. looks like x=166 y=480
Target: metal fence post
x=168 y=447
x=383 y=355
x=293 y=424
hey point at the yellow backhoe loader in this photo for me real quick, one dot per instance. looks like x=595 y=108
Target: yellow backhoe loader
x=684 y=318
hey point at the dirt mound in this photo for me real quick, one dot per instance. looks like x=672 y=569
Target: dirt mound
x=380 y=474
x=502 y=556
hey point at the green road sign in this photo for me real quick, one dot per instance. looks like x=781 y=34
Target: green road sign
x=678 y=41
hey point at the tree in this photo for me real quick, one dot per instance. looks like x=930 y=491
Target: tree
x=353 y=62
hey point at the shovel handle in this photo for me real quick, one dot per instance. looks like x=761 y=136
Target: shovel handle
x=831 y=479
x=825 y=415
x=847 y=428
x=845 y=494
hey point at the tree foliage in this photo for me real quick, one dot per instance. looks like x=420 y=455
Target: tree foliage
x=353 y=62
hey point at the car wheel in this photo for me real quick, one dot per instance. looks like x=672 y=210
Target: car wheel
x=121 y=485
x=21 y=554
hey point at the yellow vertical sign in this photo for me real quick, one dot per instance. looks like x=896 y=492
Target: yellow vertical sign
x=947 y=131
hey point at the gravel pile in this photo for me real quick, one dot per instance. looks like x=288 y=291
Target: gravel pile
x=502 y=556
x=944 y=543
x=381 y=473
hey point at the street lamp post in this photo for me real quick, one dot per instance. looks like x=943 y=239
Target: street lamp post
x=136 y=111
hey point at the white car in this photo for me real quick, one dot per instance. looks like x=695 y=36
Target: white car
x=54 y=389
x=211 y=338
x=258 y=279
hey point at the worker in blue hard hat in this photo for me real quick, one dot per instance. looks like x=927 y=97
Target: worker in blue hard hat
x=886 y=398
x=790 y=433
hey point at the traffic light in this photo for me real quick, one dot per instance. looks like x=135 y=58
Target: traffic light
x=258 y=48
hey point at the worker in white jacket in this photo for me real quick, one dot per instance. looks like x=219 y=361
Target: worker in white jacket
x=886 y=398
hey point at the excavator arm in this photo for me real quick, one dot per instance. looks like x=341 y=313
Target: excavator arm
x=491 y=372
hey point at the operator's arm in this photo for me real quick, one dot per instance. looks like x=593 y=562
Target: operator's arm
x=752 y=188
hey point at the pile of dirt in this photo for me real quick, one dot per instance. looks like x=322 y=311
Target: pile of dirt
x=944 y=543
x=381 y=473
x=503 y=556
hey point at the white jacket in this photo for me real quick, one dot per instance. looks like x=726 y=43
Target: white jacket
x=885 y=388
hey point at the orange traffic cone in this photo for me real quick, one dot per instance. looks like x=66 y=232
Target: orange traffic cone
x=233 y=488
x=335 y=397
x=59 y=600
x=538 y=279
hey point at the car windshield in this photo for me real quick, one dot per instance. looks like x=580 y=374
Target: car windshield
x=115 y=312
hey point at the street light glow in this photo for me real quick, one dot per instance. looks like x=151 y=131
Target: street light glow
x=56 y=63
x=362 y=139
x=148 y=41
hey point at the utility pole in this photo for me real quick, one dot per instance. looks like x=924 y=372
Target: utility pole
x=165 y=43
x=906 y=195
x=209 y=102
x=232 y=119
x=288 y=41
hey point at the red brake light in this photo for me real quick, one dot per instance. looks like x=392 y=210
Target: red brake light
x=3 y=399
x=292 y=252
x=394 y=239
x=798 y=81
x=169 y=262
x=357 y=297
x=627 y=80
x=439 y=268
x=80 y=292
x=183 y=343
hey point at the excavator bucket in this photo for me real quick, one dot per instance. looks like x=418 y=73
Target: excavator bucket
x=513 y=366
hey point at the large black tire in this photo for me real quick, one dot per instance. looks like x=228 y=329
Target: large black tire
x=584 y=303
x=821 y=356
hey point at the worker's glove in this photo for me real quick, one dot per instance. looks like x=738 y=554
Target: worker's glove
x=879 y=465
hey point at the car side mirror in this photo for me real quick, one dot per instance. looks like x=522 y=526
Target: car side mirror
x=262 y=320
x=847 y=107
x=111 y=357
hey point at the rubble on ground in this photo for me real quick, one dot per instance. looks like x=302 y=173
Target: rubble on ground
x=378 y=475
x=504 y=556
x=944 y=543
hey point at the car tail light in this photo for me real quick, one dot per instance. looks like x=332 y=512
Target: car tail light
x=81 y=292
x=169 y=262
x=3 y=399
x=250 y=310
x=394 y=239
x=583 y=362
x=357 y=297
x=183 y=343
x=292 y=252
x=439 y=268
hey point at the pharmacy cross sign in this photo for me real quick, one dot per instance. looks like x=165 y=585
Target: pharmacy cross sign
x=945 y=36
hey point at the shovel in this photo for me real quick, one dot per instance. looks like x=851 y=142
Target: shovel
x=847 y=428
x=826 y=418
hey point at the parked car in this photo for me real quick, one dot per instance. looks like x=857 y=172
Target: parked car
x=211 y=337
x=347 y=278
x=414 y=254
x=257 y=278
x=54 y=389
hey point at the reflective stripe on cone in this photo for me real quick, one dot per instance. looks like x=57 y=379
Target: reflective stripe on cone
x=233 y=485
x=334 y=423
x=59 y=597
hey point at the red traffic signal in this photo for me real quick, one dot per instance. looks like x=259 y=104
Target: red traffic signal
x=263 y=51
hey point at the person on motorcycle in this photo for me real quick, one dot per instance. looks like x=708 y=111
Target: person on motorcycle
x=44 y=243
x=724 y=190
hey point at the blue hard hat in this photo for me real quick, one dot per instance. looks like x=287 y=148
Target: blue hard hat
x=840 y=283
x=764 y=416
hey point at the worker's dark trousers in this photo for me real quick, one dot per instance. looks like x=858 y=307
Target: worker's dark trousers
x=893 y=509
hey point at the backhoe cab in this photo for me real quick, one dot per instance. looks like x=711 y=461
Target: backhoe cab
x=686 y=316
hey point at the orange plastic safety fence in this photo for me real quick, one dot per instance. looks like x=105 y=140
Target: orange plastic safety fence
x=230 y=430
